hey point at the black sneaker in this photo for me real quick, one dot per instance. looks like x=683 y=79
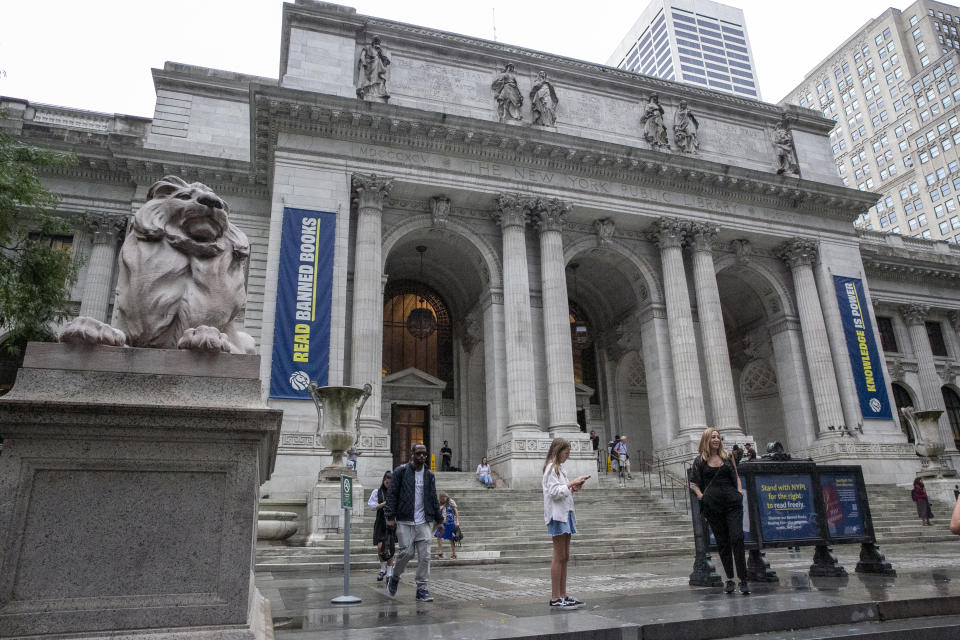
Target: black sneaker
x=573 y=601
x=423 y=595
x=730 y=587
x=561 y=604
x=392 y=585
x=380 y=576
x=744 y=589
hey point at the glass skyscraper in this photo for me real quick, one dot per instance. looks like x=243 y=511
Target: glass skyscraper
x=693 y=41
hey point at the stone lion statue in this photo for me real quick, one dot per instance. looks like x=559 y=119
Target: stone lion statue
x=181 y=280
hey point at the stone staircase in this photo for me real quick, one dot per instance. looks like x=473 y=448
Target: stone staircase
x=505 y=526
x=895 y=517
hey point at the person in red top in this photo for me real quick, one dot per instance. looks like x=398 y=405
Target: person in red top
x=919 y=495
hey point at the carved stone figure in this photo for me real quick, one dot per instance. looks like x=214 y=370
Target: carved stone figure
x=654 y=131
x=181 y=280
x=685 y=127
x=786 y=153
x=507 y=94
x=373 y=65
x=543 y=101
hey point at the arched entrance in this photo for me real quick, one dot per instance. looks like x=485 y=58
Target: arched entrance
x=434 y=389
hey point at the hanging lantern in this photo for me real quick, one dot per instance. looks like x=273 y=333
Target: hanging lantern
x=421 y=323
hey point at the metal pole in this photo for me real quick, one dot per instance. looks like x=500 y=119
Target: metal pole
x=346 y=598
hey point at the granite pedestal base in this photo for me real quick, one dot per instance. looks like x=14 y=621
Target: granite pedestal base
x=518 y=458
x=324 y=514
x=128 y=494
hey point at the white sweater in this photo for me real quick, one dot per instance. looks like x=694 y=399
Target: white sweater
x=557 y=497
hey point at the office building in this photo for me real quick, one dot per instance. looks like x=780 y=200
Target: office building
x=694 y=41
x=892 y=89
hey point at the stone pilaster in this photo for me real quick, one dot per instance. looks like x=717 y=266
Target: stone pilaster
x=801 y=254
x=723 y=400
x=366 y=339
x=670 y=234
x=549 y=216
x=511 y=213
x=105 y=231
x=915 y=317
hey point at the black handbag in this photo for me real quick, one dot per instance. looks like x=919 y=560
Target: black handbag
x=458 y=536
x=389 y=546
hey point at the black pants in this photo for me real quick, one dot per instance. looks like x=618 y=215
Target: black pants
x=727 y=526
x=444 y=463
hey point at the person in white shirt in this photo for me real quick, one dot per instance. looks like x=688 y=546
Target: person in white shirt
x=558 y=516
x=621 y=455
x=483 y=473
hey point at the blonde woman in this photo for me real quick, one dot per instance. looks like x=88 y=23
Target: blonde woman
x=717 y=484
x=451 y=520
x=558 y=516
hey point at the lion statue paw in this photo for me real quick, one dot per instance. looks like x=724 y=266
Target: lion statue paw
x=208 y=339
x=87 y=330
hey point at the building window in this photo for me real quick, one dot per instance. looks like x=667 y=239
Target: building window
x=935 y=335
x=951 y=402
x=888 y=339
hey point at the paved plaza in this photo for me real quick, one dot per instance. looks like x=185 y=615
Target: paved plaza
x=633 y=599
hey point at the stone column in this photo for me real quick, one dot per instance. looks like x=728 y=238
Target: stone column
x=366 y=338
x=723 y=400
x=97 y=286
x=670 y=234
x=801 y=254
x=511 y=214
x=549 y=216
x=915 y=317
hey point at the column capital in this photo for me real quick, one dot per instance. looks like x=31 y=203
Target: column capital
x=701 y=236
x=105 y=228
x=914 y=314
x=370 y=190
x=670 y=232
x=549 y=214
x=512 y=210
x=798 y=252
x=439 y=211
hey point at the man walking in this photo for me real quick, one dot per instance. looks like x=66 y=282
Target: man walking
x=446 y=453
x=595 y=439
x=620 y=453
x=413 y=509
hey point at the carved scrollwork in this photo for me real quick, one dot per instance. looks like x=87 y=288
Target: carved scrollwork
x=799 y=252
x=371 y=190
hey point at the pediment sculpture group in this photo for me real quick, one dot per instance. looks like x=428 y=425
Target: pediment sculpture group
x=373 y=66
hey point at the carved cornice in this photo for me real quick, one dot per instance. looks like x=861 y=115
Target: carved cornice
x=914 y=314
x=799 y=252
x=370 y=190
x=419 y=132
x=549 y=214
x=783 y=323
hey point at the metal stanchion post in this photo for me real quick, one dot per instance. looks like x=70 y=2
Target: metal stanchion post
x=346 y=501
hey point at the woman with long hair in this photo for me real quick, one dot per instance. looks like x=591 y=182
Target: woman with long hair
x=717 y=484
x=384 y=538
x=919 y=496
x=558 y=516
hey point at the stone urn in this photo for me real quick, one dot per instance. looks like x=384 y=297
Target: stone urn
x=338 y=415
x=926 y=435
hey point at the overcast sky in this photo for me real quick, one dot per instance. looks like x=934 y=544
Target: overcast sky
x=97 y=54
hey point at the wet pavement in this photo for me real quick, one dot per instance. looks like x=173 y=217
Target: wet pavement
x=635 y=599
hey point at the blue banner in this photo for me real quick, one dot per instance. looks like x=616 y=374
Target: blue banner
x=842 y=504
x=867 y=369
x=301 y=333
x=786 y=506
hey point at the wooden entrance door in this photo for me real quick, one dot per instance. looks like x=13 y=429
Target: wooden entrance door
x=410 y=425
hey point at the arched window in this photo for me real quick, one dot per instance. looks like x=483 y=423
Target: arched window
x=902 y=399
x=952 y=403
x=584 y=353
x=416 y=331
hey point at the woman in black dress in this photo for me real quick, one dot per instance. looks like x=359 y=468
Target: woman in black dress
x=384 y=538
x=717 y=484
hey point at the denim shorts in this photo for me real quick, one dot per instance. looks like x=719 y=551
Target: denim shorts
x=557 y=528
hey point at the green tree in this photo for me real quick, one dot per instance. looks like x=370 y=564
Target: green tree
x=35 y=275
